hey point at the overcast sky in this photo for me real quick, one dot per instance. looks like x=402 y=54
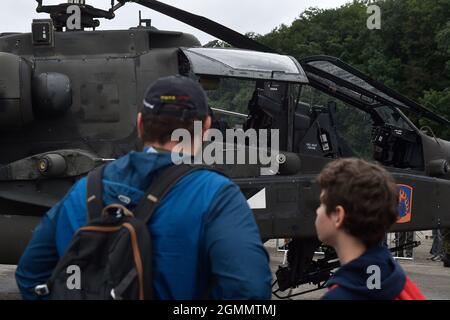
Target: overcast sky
x=260 y=16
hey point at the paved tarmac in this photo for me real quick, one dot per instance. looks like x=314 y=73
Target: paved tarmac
x=431 y=277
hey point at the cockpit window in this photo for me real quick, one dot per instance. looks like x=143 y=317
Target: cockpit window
x=350 y=126
x=246 y=60
x=251 y=104
x=244 y=64
x=392 y=117
x=229 y=101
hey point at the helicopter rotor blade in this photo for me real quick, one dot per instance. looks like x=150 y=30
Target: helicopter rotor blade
x=213 y=28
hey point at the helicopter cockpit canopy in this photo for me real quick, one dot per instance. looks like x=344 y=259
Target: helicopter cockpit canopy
x=395 y=139
x=347 y=82
x=246 y=89
x=244 y=64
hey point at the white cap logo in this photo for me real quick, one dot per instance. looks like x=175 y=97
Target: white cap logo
x=148 y=105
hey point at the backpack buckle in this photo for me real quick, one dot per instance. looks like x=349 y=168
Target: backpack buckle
x=119 y=212
x=113 y=295
x=42 y=290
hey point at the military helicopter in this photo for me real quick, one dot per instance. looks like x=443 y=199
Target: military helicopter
x=69 y=98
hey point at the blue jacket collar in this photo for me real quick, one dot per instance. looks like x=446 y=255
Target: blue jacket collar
x=354 y=275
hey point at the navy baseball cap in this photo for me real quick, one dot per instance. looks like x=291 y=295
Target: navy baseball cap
x=176 y=96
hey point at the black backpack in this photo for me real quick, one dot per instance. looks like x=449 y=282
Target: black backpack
x=111 y=257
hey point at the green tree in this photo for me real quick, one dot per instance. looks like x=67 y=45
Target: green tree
x=404 y=54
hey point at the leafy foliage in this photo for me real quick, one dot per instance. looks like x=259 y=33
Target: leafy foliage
x=409 y=53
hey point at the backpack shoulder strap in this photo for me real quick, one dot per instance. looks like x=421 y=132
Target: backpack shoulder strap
x=161 y=185
x=95 y=193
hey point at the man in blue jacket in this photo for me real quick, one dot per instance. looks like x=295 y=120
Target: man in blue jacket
x=206 y=243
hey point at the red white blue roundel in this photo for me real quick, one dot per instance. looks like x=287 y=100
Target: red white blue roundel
x=405 y=203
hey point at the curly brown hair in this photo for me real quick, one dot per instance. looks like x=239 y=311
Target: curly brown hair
x=368 y=194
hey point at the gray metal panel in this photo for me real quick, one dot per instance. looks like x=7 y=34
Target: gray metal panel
x=104 y=93
x=15 y=92
x=9 y=76
x=111 y=43
x=15 y=232
x=153 y=65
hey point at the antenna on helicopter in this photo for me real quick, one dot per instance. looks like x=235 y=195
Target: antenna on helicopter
x=148 y=22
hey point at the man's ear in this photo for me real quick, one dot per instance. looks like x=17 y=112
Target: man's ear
x=140 y=125
x=339 y=216
x=206 y=125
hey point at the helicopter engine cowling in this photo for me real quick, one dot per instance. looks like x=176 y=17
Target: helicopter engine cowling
x=15 y=92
